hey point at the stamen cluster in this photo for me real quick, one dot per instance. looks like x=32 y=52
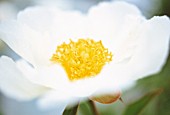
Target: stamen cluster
x=82 y=59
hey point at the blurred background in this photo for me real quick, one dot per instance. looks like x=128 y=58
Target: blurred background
x=150 y=96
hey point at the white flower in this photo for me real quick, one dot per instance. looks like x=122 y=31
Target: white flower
x=61 y=46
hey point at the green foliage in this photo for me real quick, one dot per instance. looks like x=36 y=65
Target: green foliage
x=85 y=108
x=136 y=107
x=160 y=80
x=160 y=105
x=166 y=7
x=71 y=111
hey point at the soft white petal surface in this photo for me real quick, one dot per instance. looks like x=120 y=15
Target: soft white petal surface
x=59 y=24
x=14 y=84
x=56 y=78
x=148 y=58
x=14 y=107
x=153 y=47
x=110 y=20
x=28 y=43
x=56 y=99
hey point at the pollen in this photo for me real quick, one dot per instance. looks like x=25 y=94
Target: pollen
x=82 y=59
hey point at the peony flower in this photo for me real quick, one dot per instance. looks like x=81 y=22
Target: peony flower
x=68 y=56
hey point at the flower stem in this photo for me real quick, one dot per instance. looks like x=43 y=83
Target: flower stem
x=93 y=106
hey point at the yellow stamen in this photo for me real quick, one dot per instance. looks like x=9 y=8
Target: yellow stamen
x=82 y=59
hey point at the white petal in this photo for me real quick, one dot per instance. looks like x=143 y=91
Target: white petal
x=58 y=100
x=10 y=32
x=108 y=22
x=114 y=76
x=59 y=24
x=149 y=56
x=14 y=84
x=51 y=76
x=56 y=78
x=39 y=18
x=13 y=107
x=153 y=47
x=28 y=43
x=125 y=49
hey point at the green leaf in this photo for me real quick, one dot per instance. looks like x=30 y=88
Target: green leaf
x=85 y=108
x=71 y=111
x=136 y=107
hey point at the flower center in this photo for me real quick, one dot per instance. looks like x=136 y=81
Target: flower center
x=82 y=59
